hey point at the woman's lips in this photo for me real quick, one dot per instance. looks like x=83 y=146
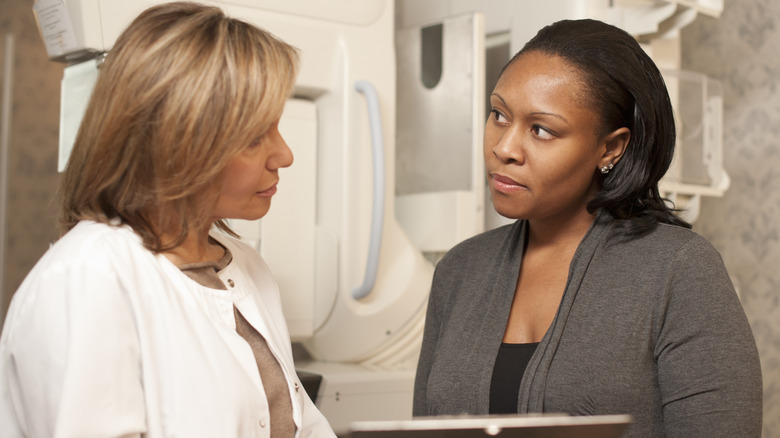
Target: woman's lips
x=505 y=184
x=267 y=193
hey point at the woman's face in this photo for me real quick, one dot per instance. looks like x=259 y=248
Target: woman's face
x=249 y=180
x=541 y=145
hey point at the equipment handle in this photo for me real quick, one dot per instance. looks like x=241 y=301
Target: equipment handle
x=378 y=207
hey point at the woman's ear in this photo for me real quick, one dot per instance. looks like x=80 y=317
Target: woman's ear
x=615 y=145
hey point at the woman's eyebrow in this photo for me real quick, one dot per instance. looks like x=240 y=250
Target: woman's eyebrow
x=535 y=113
x=542 y=113
x=499 y=97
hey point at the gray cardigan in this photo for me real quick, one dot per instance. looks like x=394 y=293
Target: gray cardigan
x=650 y=327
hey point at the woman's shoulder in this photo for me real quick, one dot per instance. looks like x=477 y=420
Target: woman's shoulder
x=95 y=241
x=85 y=262
x=667 y=237
x=88 y=251
x=666 y=244
x=483 y=247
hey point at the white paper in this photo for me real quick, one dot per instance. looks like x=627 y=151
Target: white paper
x=77 y=83
x=55 y=26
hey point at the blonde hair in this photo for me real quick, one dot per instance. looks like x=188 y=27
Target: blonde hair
x=182 y=92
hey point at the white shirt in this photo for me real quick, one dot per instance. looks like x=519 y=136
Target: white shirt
x=106 y=339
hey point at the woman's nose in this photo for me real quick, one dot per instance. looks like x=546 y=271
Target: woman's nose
x=281 y=155
x=509 y=147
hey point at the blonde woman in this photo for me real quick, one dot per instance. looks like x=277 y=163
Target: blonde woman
x=143 y=319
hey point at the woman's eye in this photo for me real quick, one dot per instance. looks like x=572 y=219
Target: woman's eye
x=497 y=116
x=542 y=132
x=255 y=142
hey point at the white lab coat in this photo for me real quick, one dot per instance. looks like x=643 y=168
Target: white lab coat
x=106 y=339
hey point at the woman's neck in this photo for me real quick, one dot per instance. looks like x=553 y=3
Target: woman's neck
x=197 y=247
x=550 y=234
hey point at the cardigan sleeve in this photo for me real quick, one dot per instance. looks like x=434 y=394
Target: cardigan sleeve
x=433 y=321
x=708 y=367
x=474 y=279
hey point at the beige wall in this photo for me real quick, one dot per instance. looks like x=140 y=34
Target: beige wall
x=742 y=50
x=32 y=161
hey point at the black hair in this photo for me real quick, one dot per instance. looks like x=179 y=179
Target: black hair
x=627 y=90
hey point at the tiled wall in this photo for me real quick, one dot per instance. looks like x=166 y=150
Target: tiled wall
x=32 y=160
x=742 y=49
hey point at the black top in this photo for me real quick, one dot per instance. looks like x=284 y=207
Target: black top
x=508 y=371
